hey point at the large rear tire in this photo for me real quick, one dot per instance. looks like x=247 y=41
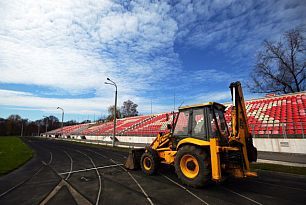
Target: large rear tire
x=192 y=166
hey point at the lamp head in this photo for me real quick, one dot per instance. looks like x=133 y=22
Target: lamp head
x=107 y=79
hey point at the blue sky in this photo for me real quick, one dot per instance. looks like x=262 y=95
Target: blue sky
x=60 y=52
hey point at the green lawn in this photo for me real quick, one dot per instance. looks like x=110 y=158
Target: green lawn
x=13 y=153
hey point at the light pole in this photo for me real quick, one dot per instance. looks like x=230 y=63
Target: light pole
x=62 y=119
x=115 y=109
x=46 y=124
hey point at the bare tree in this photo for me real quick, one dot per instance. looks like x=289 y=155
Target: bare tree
x=129 y=109
x=110 y=116
x=280 y=66
x=13 y=125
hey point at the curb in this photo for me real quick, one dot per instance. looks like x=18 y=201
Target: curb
x=281 y=163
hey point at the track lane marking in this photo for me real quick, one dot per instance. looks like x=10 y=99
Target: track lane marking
x=140 y=187
x=51 y=158
x=181 y=186
x=22 y=182
x=88 y=169
x=143 y=191
x=137 y=183
x=162 y=175
x=71 y=165
x=79 y=198
x=99 y=176
x=241 y=195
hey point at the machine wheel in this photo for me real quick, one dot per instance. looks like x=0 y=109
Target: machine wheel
x=149 y=162
x=192 y=166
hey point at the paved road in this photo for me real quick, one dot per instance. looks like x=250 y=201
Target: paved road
x=66 y=173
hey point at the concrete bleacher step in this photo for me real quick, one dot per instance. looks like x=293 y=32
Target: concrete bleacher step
x=135 y=125
x=80 y=130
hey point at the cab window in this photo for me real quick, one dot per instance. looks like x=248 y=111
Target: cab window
x=214 y=130
x=221 y=122
x=198 y=122
x=181 y=127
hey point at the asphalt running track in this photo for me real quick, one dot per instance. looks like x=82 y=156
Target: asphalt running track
x=66 y=173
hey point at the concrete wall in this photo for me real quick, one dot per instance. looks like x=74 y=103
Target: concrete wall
x=262 y=144
x=127 y=139
x=281 y=145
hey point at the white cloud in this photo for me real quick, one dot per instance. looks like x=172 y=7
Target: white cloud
x=74 y=45
x=239 y=25
x=211 y=75
x=214 y=96
x=29 y=101
x=63 y=68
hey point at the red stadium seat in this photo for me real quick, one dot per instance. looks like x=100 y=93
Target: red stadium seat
x=271 y=115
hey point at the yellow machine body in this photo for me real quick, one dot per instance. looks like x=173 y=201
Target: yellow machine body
x=230 y=154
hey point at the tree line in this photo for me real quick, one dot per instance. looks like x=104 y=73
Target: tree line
x=14 y=125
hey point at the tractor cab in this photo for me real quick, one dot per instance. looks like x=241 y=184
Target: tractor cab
x=202 y=121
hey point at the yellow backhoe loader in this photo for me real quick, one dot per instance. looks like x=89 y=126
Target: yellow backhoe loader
x=200 y=145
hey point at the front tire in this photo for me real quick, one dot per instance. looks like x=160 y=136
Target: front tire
x=149 y=163
x=192 y=166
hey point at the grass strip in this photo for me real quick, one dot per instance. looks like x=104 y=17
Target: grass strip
x=13 y=153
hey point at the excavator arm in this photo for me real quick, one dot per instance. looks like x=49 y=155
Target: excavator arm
x=240 y=131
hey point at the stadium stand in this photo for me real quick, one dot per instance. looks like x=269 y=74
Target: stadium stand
x=67 y=130
x=275 y=115
x=152 y=126
x=121 y=125
x=283 y=115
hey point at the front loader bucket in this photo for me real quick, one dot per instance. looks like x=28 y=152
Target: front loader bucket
x=133 y=160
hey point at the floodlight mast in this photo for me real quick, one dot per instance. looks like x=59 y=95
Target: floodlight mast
x=115 y=109
x=62 y=119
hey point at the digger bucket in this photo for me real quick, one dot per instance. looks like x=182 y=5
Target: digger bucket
x=133 y=160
